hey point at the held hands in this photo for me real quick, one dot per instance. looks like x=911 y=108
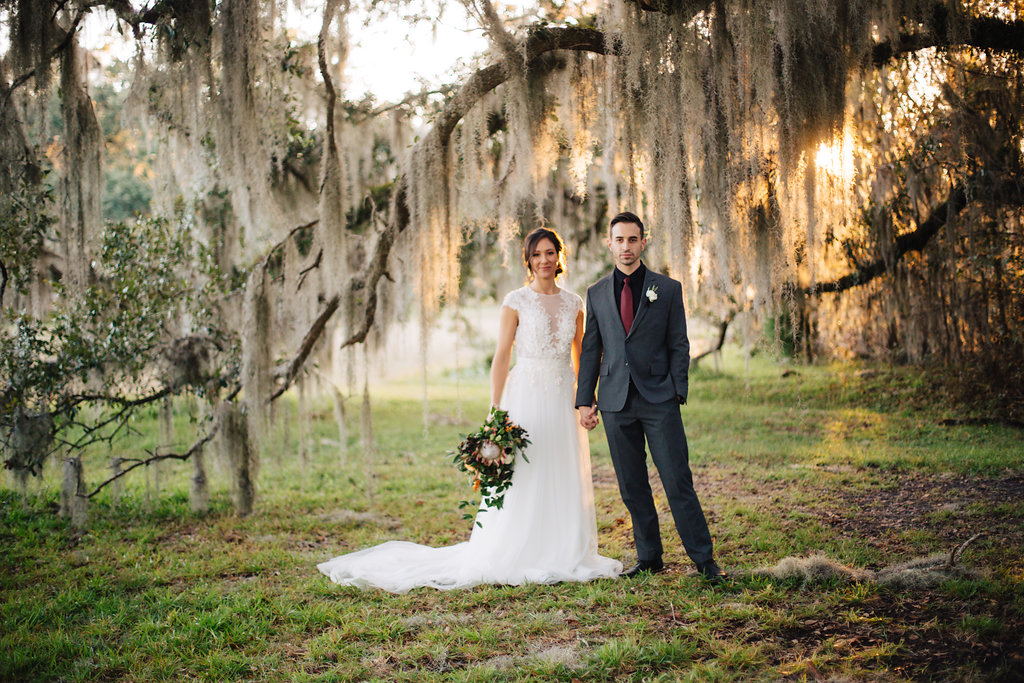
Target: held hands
x=588 y=417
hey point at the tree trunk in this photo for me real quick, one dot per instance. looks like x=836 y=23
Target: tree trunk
x=305 y=424
x=236 y=448
x=73 y=503
x=199 y=496
x=366 y=421
x=166 y=443
x=339 y=419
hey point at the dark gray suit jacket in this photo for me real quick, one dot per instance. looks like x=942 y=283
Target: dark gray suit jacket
x=655 y=354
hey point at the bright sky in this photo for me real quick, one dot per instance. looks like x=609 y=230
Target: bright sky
x=390 y=71
x=391 y=57
x=388 y=59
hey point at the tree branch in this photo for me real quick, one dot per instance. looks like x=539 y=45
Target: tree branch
x=325 y=73
x=958 y=551
x=690 y=8
x=121 y=401
x=305 y=271
x=539 y=43
x=912 y=241
x=950 y=29
x=59 y=48
x=291 y=234
x=156 y=457
x=986 y=33
x=723 y=327
x=420 y=96
x=3 y=281
x=287 y=373
x=163 y=9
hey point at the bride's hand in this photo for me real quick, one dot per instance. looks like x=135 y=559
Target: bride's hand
x=588 y=417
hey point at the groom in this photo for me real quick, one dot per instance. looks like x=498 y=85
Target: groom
x=635 y=341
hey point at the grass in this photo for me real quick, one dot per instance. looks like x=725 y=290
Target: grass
x=851 y=464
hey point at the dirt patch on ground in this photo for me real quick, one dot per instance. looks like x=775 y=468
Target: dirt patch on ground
x=954 y=508
x=920 y=634
x=911 y=636
x=923 y=633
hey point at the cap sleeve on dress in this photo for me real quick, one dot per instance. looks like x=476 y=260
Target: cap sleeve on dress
x=577 y=301
x=513 y=299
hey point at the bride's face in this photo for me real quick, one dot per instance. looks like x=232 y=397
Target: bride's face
x=544 y=260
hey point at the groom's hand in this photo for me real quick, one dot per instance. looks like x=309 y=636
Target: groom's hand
x=588 y=417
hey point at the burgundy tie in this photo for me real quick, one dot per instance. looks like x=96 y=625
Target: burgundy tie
x=626 y=305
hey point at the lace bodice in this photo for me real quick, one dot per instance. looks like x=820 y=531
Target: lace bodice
x=547 y=323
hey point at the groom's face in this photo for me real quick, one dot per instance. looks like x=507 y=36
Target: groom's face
x=626 y=243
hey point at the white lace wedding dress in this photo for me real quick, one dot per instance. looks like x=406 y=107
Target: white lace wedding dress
x=547 y=531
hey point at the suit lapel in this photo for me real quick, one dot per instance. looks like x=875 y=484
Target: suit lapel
x=608 y=283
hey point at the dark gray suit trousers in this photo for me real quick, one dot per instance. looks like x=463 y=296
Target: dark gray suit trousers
x=662 y=427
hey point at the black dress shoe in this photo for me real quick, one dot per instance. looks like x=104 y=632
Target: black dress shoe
x=711 y=572
x=644 y=567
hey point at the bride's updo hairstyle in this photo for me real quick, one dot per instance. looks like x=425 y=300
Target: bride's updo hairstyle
x=530 y=243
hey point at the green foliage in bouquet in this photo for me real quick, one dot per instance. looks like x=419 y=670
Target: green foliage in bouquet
x=489 y=455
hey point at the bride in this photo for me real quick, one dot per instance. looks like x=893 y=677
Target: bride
x=546 y=531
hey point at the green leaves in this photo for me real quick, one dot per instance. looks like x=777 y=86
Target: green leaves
x=24 y=222
x=116 y=344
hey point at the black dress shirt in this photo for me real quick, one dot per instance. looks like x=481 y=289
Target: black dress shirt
x=636 y=283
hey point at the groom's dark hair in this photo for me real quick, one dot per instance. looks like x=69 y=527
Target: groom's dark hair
x=627 y=217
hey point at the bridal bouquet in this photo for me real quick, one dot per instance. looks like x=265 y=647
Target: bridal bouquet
x=489 y=454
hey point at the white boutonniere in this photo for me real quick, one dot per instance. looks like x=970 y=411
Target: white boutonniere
x=652 y=293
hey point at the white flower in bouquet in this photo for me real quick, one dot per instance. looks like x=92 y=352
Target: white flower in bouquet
x=490 y=451
x=652 y=293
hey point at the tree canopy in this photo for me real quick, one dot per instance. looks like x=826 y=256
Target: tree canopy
x=848 y=170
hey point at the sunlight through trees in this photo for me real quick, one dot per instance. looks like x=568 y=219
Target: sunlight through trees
x=846 y=175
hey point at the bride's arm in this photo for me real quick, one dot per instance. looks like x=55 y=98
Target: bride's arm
x=503 y=353
x=577 y=342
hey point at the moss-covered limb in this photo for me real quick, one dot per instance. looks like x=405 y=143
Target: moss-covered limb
x=539 y=43
x=493 y=26
x=163 y=10
x=723 y=327
x=950 y=28
x=287 y=373
x=988 y=33
x=916 y=240
x=377 y=268
x=325 y=74
x=65 y=40
x=688 y=8
x=276 y=249
x=359 y=113
x=911 y=241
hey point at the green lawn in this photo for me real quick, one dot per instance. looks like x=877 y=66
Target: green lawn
x=834 y=460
